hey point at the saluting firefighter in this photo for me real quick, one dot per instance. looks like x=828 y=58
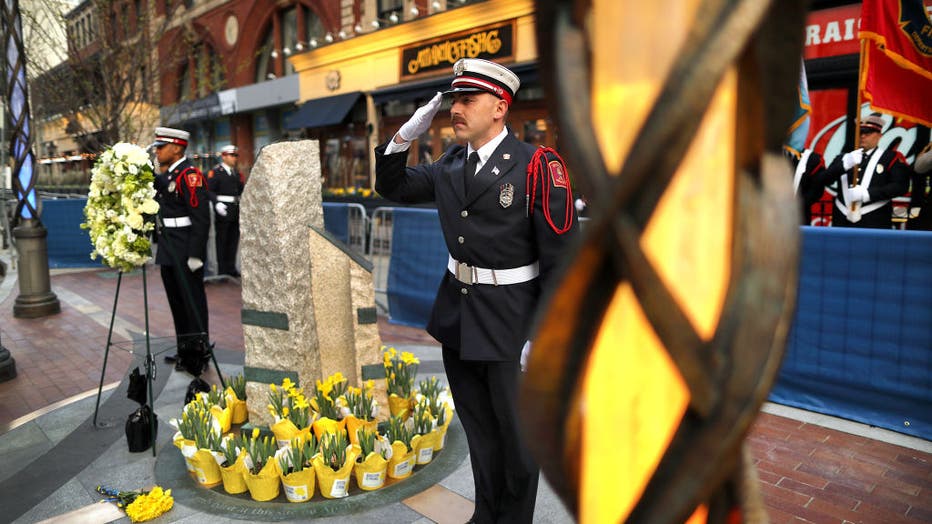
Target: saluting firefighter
x=506 y=227
x=182 y=227
x=882 y=175
x=225 y=185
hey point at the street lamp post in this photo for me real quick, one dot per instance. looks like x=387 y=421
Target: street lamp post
x=35 y=292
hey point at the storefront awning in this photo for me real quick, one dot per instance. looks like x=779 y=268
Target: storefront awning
x=321 y=112
x=425 y=89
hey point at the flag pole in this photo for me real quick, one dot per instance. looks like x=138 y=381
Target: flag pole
x=857 y=109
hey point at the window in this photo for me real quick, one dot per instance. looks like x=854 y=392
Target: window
x=207 y=75
x=293 y=21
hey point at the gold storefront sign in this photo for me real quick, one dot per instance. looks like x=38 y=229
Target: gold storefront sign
x=493 y=42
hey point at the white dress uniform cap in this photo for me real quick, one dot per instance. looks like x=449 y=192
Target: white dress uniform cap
x=168 y=135
x=873 y=121
x=476 y=74
x=229 y=150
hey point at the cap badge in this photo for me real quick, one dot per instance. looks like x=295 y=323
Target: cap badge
x=459 y=67
x=506 y=195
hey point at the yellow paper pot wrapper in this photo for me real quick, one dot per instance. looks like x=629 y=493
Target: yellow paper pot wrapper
x=353 y=424
x=334 y=484
x=233 y=481
x=239 y=413
x=425 y=445
x=401 y=465
x=299 y=486
x=181 y=443
x=371 y=473
x=327 y=425
x=223 y=416
x=284 y=430
x=265 y=485
x=206 y=469
x=443 y=429
x=399 y=407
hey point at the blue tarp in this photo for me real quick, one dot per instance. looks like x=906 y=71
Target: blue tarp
x=68 y=244
x=336 y=221
x=861 y=343
x=418 y=261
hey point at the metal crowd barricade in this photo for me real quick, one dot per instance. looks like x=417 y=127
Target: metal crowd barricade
x=357 y=227
x=380 y=250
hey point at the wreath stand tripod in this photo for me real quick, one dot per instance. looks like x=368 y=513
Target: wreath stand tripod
x=149 y=359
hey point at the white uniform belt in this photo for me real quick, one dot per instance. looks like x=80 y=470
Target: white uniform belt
x=226 y=198
x=177 y=222
x=497 y=277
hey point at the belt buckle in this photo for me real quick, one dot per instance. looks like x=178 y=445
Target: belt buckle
x=464 y=273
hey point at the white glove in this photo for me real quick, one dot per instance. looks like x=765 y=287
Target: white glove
x=194 y=264
x=525 y=353
x=859 y=194
x=852 y=159
x=221 y=209
x=914 y=212
x=580 y=205
x=421 y=119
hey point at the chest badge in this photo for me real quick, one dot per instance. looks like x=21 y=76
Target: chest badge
x=495 y=170
x=171 y=186
x=506 y=195
x=879 y=168
x=506 y=156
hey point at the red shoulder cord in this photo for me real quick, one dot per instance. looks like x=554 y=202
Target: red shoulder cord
x=539 y=165
x=183 y=175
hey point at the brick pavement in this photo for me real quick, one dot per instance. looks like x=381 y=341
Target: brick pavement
x=808 y=473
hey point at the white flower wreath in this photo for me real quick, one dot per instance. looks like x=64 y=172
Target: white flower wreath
x=121 y=193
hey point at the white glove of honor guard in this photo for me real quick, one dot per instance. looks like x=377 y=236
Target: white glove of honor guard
x=859 y=194
x=421 y=119
x=914 y=212
x=852 y=159
x=525 y=354
x=194 y=264
x=221 y=209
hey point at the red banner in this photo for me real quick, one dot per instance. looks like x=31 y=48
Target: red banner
x=896 y=71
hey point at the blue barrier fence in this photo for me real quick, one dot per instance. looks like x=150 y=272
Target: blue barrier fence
x=860 y=346
x=861 y=342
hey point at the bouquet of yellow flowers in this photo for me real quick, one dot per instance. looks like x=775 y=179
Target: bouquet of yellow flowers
x=140 y=505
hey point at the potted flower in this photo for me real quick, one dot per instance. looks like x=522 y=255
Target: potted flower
x=236 y=399
x=426 y=435
x=297 y=473
x=360 y=410
x=334 y=464
x=232 y=469
x=215 y=401
x=440 y=405
x=372 y=459
x=200 y=443
x=323 y=403
x=400 y=370
x=262 y=475
x=401 y=462
x=291 y=412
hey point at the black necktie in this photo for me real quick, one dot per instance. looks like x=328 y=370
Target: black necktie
x=470 y=171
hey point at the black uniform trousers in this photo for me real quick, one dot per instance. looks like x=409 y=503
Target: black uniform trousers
x=227 y=239
x=506 y=476
x=188 y=302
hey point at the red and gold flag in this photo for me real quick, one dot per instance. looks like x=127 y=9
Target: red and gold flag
x=896 y=72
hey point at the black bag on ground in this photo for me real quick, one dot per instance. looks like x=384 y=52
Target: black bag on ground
x=139 y=430
x=137 y=387
x=196 y=386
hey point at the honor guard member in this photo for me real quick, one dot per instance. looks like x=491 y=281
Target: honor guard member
x=183 y=225
x=225 y=185
x=507 y=216
x=809 y=180
x=920 y=203
x=882 y=175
